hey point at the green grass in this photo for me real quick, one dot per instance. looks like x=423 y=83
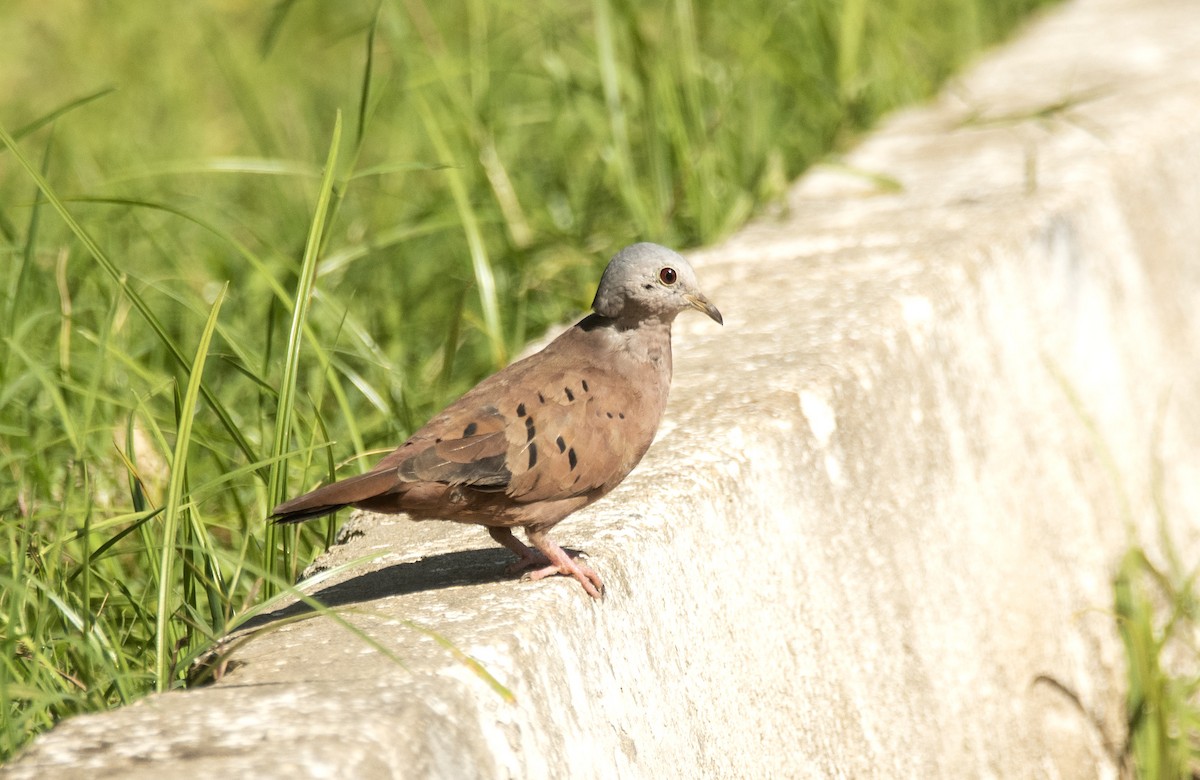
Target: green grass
x=1159 y=618
x=245 y=245
x=1157 y=615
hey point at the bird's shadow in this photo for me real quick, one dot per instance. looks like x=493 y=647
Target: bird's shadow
x=444 y=570
x=435 y=572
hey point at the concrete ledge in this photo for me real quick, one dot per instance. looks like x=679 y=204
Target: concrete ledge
x=886 y=507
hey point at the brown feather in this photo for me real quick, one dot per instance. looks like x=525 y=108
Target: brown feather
x=330 y=498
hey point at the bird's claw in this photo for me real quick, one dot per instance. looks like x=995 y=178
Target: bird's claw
x=585 y=574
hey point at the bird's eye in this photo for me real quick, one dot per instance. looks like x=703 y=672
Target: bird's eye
x=667 y=275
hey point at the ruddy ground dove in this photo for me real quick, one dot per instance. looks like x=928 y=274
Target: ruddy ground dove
x=547 y=435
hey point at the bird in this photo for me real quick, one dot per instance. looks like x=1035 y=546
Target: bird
x=547 y=435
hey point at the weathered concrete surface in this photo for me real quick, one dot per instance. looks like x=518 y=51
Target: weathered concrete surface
x=890 y=496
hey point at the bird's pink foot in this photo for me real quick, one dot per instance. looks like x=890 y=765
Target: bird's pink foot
x=548 y=559
x=542 y=567
x=562 y=563
x=586 y=575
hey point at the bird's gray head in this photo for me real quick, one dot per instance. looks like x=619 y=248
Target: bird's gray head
x=648 y=280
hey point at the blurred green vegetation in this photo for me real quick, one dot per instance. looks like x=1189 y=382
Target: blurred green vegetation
x=181 y=178
x=1158 y=615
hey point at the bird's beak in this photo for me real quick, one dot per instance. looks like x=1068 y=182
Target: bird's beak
x=700 y=303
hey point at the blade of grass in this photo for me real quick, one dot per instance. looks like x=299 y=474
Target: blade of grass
x=52 y=390
x=622 y=151
x=27 y=255
x=176 y=504
x=364 y=94
x=477 y=668
x=277 y=482
x=481 y=265
x=65 y=108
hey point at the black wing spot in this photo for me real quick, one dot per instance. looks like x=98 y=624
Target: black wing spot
x=532 y=455
x=571 y=458
x=570 y=395
x=562 y=445
x=621 y=415
x=541 y=398
x=610 y=415
x=470 y=430
x=529 y=429
x=521 y=409
x=585 y=385
x=438 y=440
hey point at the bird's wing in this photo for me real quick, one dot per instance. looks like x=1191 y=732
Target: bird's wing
x=580 y=431
x=541 y=430
x=464 y=445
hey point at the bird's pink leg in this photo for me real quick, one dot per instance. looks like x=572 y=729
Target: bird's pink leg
x=527 y=557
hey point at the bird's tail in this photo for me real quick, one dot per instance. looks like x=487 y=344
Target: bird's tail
x=328 y=499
